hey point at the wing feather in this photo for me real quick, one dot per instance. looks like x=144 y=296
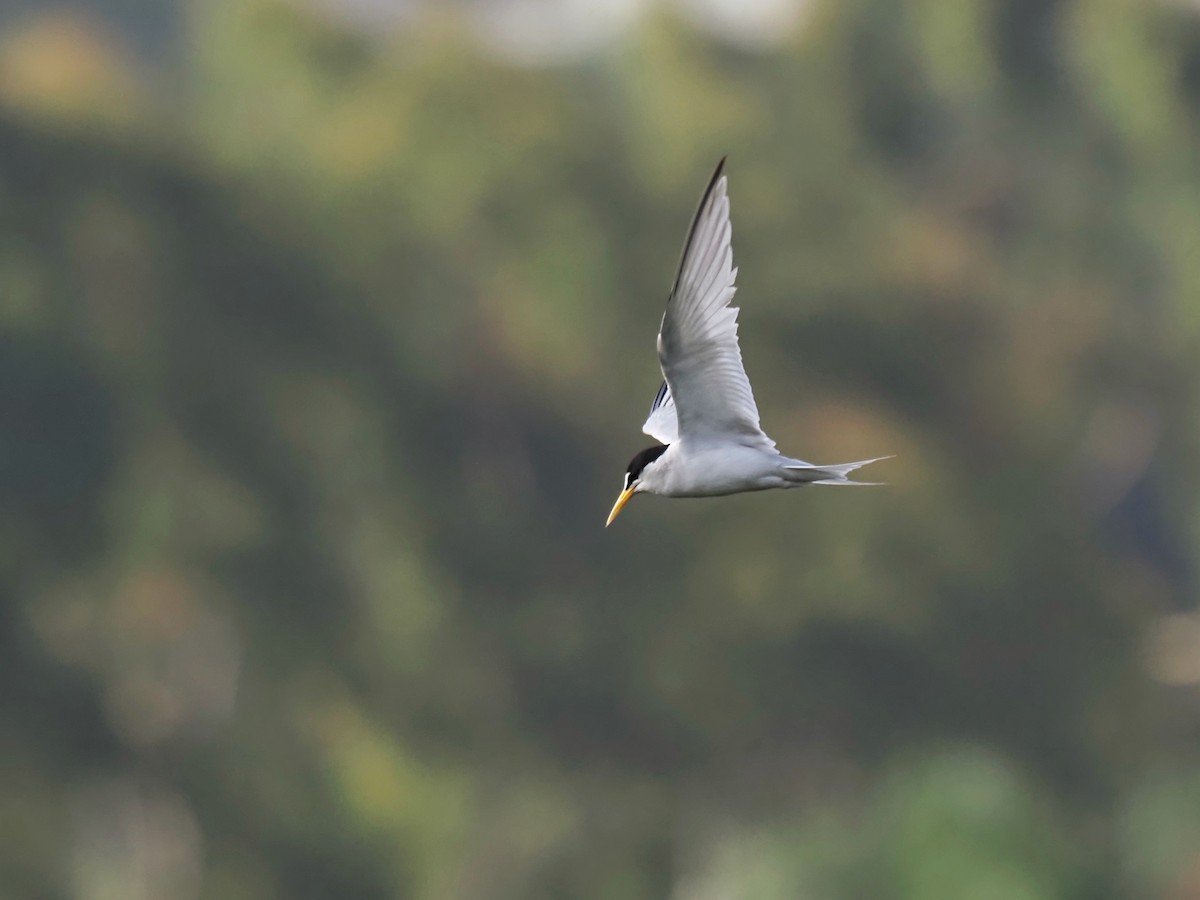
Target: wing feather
x=697 y=342
x=662 y=423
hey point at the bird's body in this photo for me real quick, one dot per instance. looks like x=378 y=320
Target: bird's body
x=704 y=412
x=711 y=469
x=717 y=468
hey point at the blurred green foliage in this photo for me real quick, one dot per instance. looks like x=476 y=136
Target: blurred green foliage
x=321 y=356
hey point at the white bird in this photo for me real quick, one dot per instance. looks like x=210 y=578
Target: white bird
x=704 y=414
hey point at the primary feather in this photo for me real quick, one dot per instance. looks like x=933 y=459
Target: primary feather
x=662 y=423
x=698 y=339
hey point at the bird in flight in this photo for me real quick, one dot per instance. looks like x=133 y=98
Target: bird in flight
x=704 y=414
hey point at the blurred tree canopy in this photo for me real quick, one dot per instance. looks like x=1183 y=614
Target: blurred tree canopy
x=322 y=350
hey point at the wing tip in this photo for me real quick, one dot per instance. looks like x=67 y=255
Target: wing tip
x=705 y=199
x=717 y=175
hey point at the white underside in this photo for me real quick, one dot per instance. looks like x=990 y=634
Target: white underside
x=712 y=469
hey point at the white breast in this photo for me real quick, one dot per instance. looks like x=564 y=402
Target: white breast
x=710 y=470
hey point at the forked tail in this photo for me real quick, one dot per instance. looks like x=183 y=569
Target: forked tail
x=806 y=473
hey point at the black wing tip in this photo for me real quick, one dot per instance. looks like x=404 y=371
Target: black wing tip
x=716 y=176
x=704 y=201
x=660 y=397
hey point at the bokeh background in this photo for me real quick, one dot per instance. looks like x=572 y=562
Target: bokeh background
x=326 y=332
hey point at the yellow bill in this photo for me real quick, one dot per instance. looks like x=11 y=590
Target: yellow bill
x=621 y=501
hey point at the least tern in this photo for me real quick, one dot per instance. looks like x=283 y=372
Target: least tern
x=704 y=414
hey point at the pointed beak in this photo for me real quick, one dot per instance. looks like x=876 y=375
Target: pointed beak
x=621 y=501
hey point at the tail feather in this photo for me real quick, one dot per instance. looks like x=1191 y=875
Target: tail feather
x=806 y=473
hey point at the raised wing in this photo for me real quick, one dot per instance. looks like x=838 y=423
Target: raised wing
x=697 y=342
x=662 y=423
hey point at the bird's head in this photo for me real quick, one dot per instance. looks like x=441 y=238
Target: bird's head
x=640 y=476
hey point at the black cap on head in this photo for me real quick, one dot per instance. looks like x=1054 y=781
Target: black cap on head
x=643 y=459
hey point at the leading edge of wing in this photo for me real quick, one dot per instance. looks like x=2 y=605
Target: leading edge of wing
x=691 y=235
